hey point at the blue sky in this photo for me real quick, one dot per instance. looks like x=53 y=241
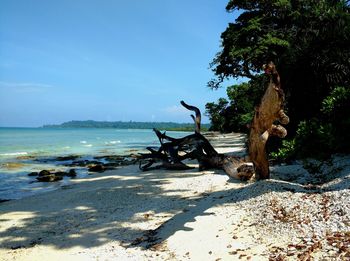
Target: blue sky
x=110 y=60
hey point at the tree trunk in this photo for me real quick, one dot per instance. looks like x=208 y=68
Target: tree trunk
x=269 y=111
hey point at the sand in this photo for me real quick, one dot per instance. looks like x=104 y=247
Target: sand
x=126 y=214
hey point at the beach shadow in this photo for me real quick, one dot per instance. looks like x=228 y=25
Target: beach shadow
x=108 y=208
x=118 y=207
x=246 y=192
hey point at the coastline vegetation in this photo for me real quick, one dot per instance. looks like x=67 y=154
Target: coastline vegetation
x=168 y=126
x=309 y=43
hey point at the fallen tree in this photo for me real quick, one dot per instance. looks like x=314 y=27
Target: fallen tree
x=172 y=152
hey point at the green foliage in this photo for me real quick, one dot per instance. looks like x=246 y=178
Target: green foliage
x=320 y=137
x=315 y=138
x=237 y=113
x=309 y=43
x=336 y=101
x=286 y=152
x=216 y=112
x=335 y=111
x=329 y=132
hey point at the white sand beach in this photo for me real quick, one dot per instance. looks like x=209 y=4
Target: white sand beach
x=126 y=214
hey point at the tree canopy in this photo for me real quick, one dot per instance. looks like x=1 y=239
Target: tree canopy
x=308 y=40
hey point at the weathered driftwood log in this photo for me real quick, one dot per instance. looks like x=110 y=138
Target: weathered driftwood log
x=173 y=151
x=266 y=114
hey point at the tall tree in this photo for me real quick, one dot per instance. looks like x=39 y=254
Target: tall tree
x=307 y=39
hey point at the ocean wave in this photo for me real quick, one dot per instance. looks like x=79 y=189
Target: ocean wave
x=14 y=153
x=112 y=142
x=88 y=145
x=83 y=141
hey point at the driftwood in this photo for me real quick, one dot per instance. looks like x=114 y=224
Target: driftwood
x=266 y=114
x=172 y=152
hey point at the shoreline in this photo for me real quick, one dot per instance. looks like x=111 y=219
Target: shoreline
x=30 y=167
x=125 y=214
x=28 y=152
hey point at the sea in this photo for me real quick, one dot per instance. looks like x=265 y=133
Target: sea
x=24 y=150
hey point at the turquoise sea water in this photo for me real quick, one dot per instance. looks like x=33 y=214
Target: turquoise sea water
x=20 y=147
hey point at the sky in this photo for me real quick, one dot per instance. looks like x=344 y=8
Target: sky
x=107 y=60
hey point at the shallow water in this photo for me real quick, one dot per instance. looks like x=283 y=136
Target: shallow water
x=24 y=150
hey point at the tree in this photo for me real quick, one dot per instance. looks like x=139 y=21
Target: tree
x=309 y=42
x=307 y=39
x=237 y=113
x=216 y=113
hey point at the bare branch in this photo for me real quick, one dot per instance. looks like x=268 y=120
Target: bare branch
x=197 y=120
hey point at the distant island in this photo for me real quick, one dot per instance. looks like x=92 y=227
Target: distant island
x=170 y=126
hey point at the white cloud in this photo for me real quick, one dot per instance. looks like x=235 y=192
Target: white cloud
x=25 y=87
